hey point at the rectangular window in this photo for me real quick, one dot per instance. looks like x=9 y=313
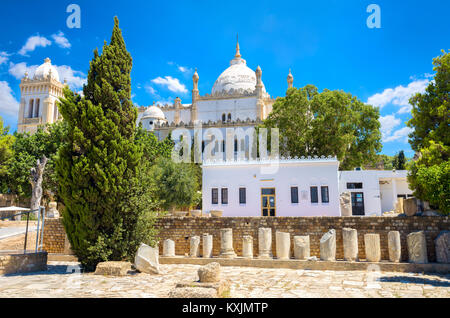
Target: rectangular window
x=224 y=196
x=324 y=194
x=215 y=196
x=354 y=185
x=242 y=196
x=314 y=195
x=294 y=194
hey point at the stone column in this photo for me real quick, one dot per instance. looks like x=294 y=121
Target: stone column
x=226 y=243
x=265 y=243
x=350 y=242
x=283 y=245
x=207 y=245
x=345 y=201
x=328 y=246
x=372 y=246
x=247 y=247
x=301 y=247
x=394 y=246
x=442 y=244
x=168 y=248
x=417 y=247
x=195 y=242
x=394 y=193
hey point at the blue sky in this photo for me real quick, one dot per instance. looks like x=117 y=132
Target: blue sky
x=325 y=43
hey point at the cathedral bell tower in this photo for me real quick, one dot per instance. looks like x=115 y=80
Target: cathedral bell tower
x=39 y=97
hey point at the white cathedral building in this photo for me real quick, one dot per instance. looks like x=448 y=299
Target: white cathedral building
x=239 y=100
x=38 y=98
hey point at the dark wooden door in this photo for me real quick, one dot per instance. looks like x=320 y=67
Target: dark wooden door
x=358 y=203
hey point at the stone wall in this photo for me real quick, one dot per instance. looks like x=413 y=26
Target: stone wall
x=23 y=263
x=55 y=238
x=182 y=228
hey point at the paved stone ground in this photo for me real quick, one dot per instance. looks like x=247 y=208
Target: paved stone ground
x=16 y=242
x=13 y=231
x=246 y=282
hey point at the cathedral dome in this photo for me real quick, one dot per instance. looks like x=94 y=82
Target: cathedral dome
x=45 y=69
x=154 y=112
x=238 y=77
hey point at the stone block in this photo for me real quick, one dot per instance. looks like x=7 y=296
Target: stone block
x=394 y=246
x=265 y=243
x=209 y=273
x=442 y=244
x=113 y=268
x=301 y=247
x=410 y=206
x=247 y=246
x=168 y=248
x=194 y=250
x=372 y=247
x=283 y=245
x=147 y=259
x=350 y=243
x=207 y=245
x=417 y=247
x=328 y=246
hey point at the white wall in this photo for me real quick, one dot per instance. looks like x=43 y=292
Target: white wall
x=378 y=198
x=240 y=108
x=301 y=174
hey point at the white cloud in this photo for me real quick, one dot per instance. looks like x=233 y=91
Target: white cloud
x=184 y=69
x=172 y=84
x=8 y=104
x=167 y=101
x=3 y=57
x=388 y=125
x=18 y=70
x=399 y=95
x=405 y=110
x=33 y=42
x=75 y=79
x=61 y=40
x=400 y=135
x=150 y=89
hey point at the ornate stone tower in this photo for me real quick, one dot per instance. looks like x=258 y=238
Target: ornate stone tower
x=195 y=94
x=38 y=98
x=290 y=79
x=259 y=94
x=177 y=104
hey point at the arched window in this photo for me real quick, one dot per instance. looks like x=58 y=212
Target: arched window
x=30 y=108
x=36 y=108
x=224 y=117
x=229 y=117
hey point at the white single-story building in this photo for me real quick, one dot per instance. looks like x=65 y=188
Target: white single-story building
x=287 y=187
x=374 y=191
x=297 y=187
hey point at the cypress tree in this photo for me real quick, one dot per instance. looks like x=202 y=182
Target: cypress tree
x=97 y=166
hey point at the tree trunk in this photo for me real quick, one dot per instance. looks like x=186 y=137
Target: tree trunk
x=36 y=184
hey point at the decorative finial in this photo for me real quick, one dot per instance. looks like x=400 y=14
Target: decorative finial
x=238 y=53
x=195 y=76
x=47 y=60
x=290 y=79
